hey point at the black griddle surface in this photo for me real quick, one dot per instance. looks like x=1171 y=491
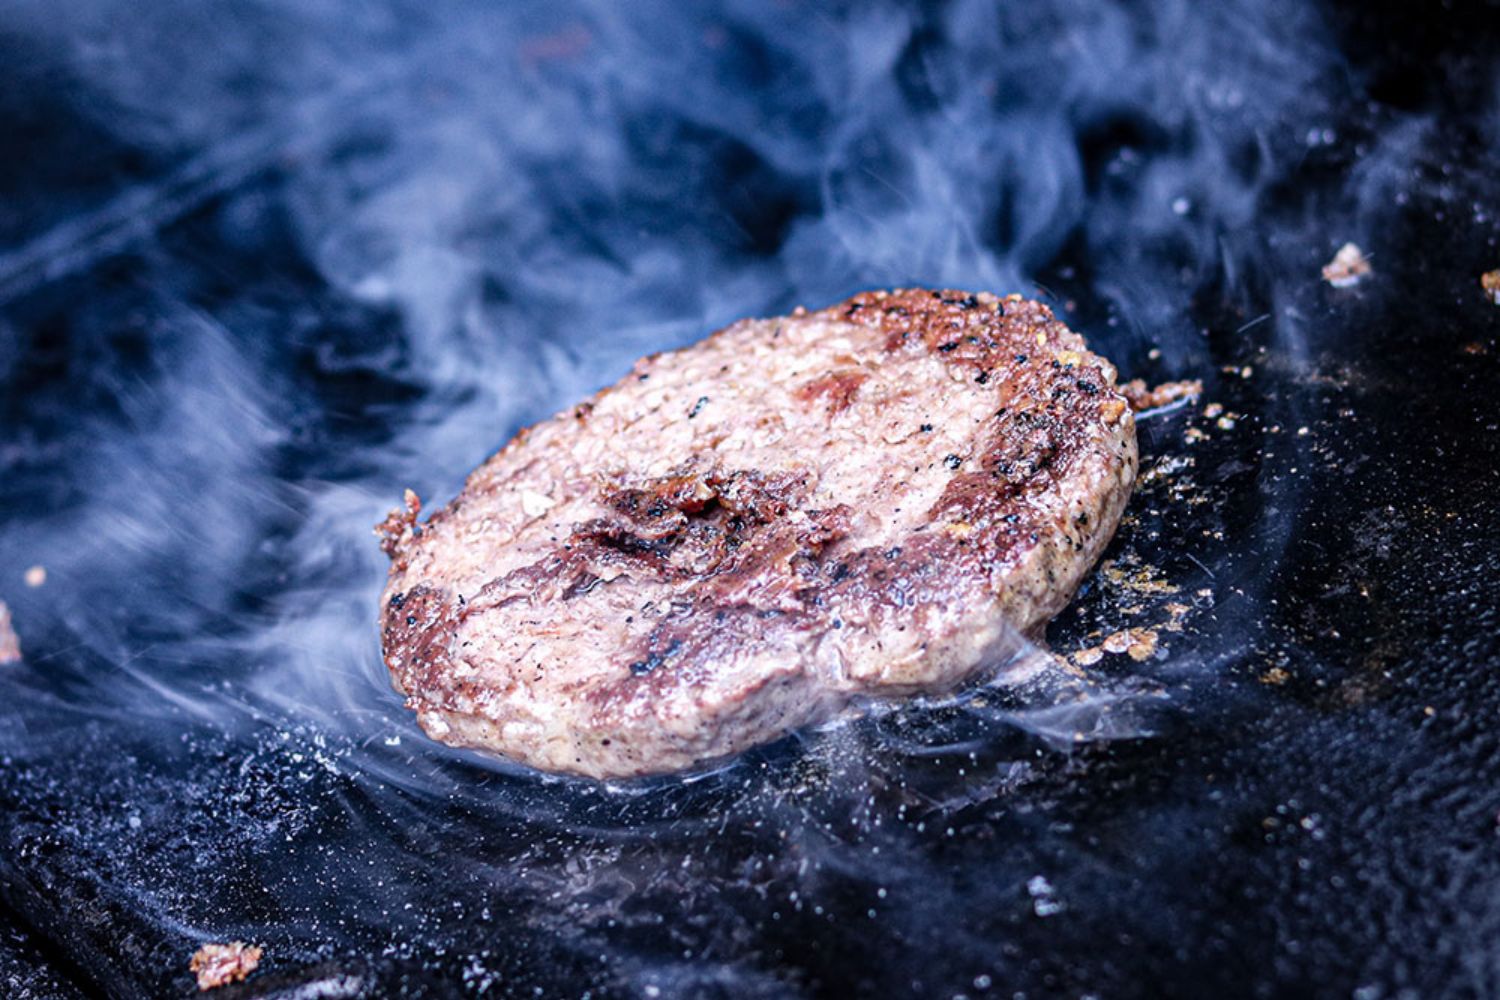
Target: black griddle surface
x=260 y=270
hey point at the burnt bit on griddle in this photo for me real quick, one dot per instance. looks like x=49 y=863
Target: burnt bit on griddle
x=10 y=645
x=1143 y=398
x=1348 y=267
x=218 y=965
x=1490 y=282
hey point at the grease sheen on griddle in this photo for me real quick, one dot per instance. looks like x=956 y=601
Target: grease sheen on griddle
x=747 y=535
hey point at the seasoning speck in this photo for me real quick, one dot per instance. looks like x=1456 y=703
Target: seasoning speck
x=220 y=964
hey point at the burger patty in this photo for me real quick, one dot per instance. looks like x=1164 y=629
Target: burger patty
x=752 y=533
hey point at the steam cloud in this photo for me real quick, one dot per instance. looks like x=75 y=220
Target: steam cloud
x=506 y=204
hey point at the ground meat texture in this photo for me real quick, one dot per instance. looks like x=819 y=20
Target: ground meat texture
x=753 y=533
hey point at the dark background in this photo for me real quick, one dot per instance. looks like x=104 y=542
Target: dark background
x=263 y=265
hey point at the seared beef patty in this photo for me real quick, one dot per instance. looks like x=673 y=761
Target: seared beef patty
x=745 y=536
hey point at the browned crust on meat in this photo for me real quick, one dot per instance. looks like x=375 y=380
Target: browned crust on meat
x=762 y=566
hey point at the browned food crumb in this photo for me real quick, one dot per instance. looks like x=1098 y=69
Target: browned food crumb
x=36 y=576
x=1490 y=282
x=1275 y=676
x=1088 y=656
x=1139 y=643
x=1349 y=267
x=1137 y=579
x=1143 y=644
x=1142 y=398
x=10 y=646
x=220 y=964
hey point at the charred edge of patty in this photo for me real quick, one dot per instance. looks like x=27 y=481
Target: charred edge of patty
x=417 y=635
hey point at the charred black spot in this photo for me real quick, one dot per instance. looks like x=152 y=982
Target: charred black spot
x=698 y=407
x=655 y=659
x=583 y=584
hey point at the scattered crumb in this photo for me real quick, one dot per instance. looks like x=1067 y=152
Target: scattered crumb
x=1178 y=613
x=1138 y=643
x=36 y=576
x=1144 y=646
x=219 y=964
x=10 y=646
x=1275 y=676
x=1348 y=268
x=1490 y=282
x=1142 y=398
x=1475 y=348
x=1213 y=410
x=1135 y=579
x=1089 y=656
x=1225 y=423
